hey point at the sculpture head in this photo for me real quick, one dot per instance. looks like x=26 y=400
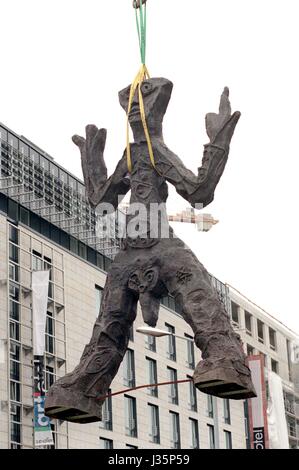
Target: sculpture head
x=156 y=93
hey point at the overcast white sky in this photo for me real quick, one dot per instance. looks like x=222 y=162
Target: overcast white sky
x=63 y=62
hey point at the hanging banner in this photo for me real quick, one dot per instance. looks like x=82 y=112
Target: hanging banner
x=257 y=407
x=277 y=423
x=40 y=286
x=42 y=429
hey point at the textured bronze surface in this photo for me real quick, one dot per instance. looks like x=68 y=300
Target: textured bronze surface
x=150 y=266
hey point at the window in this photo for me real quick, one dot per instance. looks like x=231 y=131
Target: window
x=13 y=272
x=106 y=443
x=210 y=406
x=211 y=436
x=129 y=368
x=175 y=437
x=274 y=366
x=173 y=395
x=154 y=431
x=15 y=370
x=150 y=343
x=235 y=312
x=192 y=395
x=291 y=423
x=226 y=411
x=99 y=293
x=14 y=291
x=49 y=377
x=49 y=335
x=250 y=350
x=15 y=425
x=260 y=331
x=15 y=391
x=14 y=310
x=130 y=416
x=248 y=323
x=194 y=436
x=272 y=339
x=13 y=234
x=129 y=446
x=106 y=422
x=37 y=262
x=13 y=253
x=228 y=440
x=14 y=330
x=152 y=376
x=190 y=352
x=171 y=350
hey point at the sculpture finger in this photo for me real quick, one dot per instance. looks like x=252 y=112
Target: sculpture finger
x=91 y=131
x=224 y=106
x=224 y=136
x=231 y=125
x=79 y=141
x=100 y=140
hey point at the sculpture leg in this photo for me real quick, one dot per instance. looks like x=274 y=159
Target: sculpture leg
x=222 y=371
x=75 y=397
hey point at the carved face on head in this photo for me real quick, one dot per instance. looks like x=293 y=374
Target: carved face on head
x=156 y=94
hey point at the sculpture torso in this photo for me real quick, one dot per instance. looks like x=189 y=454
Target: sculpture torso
x=149 y=193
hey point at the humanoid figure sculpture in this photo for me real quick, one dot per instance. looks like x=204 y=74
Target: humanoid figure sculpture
x=149 y=266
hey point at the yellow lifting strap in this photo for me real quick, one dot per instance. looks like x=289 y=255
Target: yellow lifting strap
x=140 y=77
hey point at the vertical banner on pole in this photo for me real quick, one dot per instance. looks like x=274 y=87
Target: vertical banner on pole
x=277 y=423
x=257 y=406
x=42 y=428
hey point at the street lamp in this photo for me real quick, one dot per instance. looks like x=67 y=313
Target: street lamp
x=148 y=330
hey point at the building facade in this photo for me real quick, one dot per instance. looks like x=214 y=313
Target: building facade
x=35 y=237
x=263 y=334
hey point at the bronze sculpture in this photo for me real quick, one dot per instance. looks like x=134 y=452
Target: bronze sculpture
x=150 y=265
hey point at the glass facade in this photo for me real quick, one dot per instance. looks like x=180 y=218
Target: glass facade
x=31 y=177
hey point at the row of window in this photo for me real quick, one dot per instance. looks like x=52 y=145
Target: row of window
x=249 y=319
x=131 y=415
x=130 y=380
x=175 y=433
x=11 y=144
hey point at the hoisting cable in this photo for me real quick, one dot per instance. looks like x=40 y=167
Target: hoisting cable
x=142 y=75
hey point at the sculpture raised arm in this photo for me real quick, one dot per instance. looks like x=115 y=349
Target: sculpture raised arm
x=200 y=189
x=100 y=189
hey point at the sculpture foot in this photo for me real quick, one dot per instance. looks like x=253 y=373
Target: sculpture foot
x=72 y=405
x=224 y=378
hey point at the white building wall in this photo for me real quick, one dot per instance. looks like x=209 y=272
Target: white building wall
x=74 y=288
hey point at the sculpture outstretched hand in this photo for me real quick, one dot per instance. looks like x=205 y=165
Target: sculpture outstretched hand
x=220 y=127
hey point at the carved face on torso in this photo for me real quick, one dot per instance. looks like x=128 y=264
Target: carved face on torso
x=156 y=94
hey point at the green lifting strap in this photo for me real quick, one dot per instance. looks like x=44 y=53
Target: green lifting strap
x=141 y=29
